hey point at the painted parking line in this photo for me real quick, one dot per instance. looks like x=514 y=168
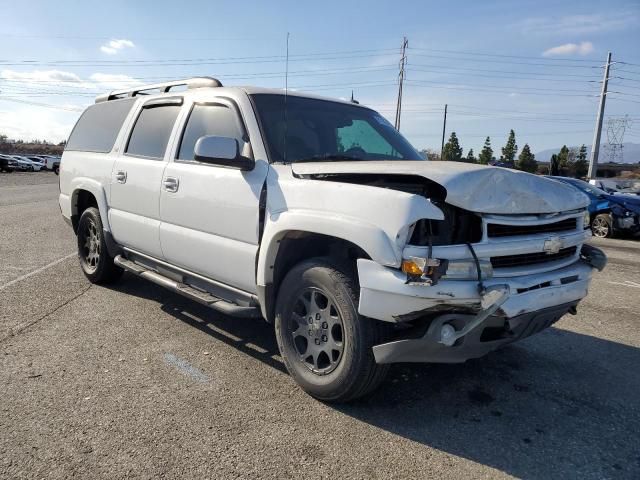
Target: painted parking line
x=627 y=283
x=185 y=367
x=38 y=270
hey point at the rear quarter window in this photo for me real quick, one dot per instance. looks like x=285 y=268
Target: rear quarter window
x=99 y=125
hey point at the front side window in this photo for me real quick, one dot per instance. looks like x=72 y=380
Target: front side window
x=208 y=119
x=306 y=129
x=152 y=130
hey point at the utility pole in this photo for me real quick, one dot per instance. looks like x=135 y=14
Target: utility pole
x=595 y=146
x=444 y=129
x=403 y=62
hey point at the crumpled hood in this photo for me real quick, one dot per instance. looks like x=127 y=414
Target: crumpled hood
x=630 y=202
x=476 y=188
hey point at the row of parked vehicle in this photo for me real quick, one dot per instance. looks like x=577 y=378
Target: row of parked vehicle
x=29 y=163
x=611 y=211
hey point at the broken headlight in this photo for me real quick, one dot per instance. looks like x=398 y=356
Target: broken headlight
x=430 y=270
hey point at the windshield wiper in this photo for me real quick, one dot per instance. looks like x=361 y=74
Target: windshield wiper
x=329 y=158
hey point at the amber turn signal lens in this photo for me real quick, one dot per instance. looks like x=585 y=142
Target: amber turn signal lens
x=411 y=268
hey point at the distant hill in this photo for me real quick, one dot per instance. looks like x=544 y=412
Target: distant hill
x=630 y=150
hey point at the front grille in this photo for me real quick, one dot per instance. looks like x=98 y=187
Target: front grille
x=531 y=258
x=499 y=230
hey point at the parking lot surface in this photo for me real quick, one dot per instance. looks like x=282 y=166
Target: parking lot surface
x=133 y=381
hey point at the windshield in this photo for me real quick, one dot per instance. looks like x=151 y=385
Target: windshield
x=587 y=187
x=322 y=130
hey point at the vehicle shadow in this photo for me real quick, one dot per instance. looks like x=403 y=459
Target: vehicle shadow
x=557 y=405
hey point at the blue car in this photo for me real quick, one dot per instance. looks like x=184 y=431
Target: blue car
x=610 y=214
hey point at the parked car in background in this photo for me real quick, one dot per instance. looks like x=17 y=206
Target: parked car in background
x=50 y=161
x=7 y=164
x=610 y=213
x=24 y=164
x=614 y=187
x=37 y=161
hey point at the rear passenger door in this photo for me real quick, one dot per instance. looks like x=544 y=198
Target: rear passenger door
x=210 y=213
x=134 y=215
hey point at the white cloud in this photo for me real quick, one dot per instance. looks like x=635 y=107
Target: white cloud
x=107 y=81
x=28 y=123
x=583 y=48
x=578 y=24
x=40 y=76
x=114 y=46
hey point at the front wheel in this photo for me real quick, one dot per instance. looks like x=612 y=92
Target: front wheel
x=325 y=343
x=601 y=226
x=95 y=261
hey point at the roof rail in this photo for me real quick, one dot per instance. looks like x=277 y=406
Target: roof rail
x=195 y=82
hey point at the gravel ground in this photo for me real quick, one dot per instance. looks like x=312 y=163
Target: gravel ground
x=133 y=381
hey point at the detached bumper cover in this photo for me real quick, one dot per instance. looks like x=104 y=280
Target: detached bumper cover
x=428 y=349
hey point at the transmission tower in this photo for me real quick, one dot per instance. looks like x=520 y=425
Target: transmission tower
x=615 y=137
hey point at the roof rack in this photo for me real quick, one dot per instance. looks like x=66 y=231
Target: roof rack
x=195 y=82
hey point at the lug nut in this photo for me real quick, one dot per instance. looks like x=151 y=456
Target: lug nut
x=324 y=338
x=318 y=316
x=310 y=320
x=317 y=342
x=311 y=333
x=325 y=325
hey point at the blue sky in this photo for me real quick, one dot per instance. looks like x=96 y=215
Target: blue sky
x=529 y=65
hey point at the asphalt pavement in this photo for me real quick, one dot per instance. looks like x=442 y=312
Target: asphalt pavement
x=133 y=381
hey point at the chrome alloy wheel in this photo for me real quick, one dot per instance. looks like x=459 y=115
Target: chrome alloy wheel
x=600 y=227
x=317 y=330
x=91 y=246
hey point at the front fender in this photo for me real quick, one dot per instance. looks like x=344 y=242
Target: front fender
x=97 y=190
x=370 y=238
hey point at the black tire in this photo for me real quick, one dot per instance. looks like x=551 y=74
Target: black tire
x=601 y=226
x=352 y=373
x=95 y=261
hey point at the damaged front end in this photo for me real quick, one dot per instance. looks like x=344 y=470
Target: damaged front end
x=506 y=259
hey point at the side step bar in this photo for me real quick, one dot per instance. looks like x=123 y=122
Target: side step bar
x=199 y=296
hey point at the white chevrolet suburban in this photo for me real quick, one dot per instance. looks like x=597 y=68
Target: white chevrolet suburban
x=317 y=215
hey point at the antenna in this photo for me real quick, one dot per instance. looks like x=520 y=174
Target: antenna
x=286 y=91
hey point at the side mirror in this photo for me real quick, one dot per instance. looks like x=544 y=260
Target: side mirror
x=223 y=151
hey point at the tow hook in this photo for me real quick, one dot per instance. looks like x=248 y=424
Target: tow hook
x=492 y=299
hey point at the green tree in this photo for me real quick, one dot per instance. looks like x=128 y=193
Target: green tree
x=527 y=160
x=487 y=152
x=581 y=166
x=510 y=149
x=554 y=165
x=452 y=150
x=471 y=157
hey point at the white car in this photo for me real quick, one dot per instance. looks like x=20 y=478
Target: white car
x=318 y=216
x=25 y=164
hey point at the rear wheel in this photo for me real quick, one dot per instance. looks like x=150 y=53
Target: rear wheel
x=325 y=343
x=95 y=261
x=601 y=226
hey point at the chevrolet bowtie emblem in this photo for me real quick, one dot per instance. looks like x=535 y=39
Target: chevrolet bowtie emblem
x=553 y=245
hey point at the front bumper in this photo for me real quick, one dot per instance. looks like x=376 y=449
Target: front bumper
x=476 y=324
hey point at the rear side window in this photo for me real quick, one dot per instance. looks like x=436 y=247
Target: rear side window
x=152 y=130
x=98 y=126
x=214 y=119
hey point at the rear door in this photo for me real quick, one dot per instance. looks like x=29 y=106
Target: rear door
x=137 y=175
x=210 y=213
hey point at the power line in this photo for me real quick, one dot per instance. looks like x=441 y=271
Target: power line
x=506 y=56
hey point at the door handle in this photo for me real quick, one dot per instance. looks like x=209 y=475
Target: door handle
x=170 y=184
x=121 y=176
